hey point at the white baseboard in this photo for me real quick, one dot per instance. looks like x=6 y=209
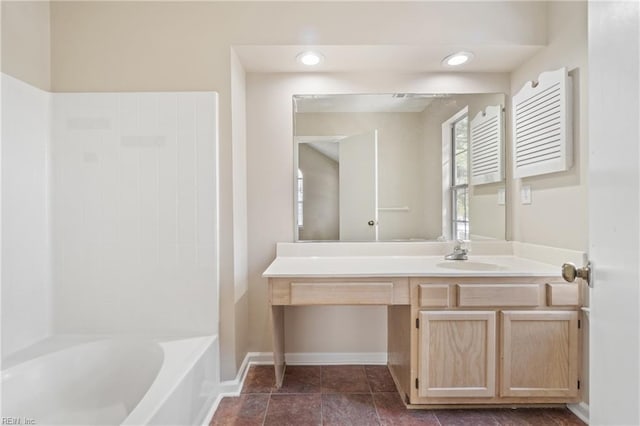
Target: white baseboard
x=339 y=358
x=581 y=410
x=234 y=386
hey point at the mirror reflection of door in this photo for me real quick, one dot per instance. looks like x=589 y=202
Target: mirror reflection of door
x=358 y=167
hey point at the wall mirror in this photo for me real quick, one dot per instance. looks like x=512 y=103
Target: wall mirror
x=398 y=167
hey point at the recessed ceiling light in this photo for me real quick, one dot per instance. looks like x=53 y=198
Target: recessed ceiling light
x=309 y=58
x=457 y=59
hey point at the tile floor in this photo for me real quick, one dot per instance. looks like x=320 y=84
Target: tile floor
x=354 y=395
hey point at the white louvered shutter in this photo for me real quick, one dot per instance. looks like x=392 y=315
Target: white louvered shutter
x=542 y=130
x=487 y=146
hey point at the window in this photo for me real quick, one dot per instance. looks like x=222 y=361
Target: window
x=300 y=189
x=460 y=179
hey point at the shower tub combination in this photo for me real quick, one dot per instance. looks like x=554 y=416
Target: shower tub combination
x=70 y=380
x=90 y=147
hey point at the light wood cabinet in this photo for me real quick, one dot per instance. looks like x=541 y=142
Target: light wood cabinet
x=457 y=354
x=507 y=340
x=539 y=353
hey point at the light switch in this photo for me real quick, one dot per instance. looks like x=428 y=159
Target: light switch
x=525 y=194
x=501 y=197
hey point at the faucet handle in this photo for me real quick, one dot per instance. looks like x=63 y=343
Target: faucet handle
x=462 y=246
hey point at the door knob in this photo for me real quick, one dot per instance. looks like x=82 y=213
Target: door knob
x=570 y=272
x=371 y=223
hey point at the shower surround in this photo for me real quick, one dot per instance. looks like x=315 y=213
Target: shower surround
x=109 y=218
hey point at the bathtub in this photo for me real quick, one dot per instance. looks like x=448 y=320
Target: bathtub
x=71 y=380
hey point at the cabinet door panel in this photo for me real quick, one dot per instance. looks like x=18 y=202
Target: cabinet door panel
x=457 y=354
x=539 y=353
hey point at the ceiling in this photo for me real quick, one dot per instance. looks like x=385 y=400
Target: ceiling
x=406 y=58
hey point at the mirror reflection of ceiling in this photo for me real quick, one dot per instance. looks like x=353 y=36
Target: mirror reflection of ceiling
x=396 y=102
x=326 y=145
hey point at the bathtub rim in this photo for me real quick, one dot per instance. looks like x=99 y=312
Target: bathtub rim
x=181 y=353
x=158 y=394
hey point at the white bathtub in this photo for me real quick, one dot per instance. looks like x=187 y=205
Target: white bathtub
x=95 y=381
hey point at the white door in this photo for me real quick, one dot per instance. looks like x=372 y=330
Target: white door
x=358 y=169
x=614 y=212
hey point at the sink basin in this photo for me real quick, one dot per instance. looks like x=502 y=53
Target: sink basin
x=465 y=265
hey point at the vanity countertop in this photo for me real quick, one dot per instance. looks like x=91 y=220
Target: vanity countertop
x=408 y=266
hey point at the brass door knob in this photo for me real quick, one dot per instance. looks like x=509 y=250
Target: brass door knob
x=570 y=272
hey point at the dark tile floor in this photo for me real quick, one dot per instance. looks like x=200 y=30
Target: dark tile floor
x=355 y=395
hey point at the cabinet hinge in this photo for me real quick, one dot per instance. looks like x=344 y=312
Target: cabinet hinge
x=578 y=384
x=579 y=324
x=417 y=322
x=417 y=383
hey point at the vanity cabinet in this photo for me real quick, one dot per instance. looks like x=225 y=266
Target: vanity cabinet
x=458 y=340
x=502 y=340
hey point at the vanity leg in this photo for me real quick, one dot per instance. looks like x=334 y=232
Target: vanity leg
x=277 y=321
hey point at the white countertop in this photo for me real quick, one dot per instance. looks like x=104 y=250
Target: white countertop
x=408 y=266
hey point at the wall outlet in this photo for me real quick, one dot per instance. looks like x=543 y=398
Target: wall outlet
x=501 y=196
x=525 y=194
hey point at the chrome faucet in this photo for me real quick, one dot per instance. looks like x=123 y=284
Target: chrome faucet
x=459 y=252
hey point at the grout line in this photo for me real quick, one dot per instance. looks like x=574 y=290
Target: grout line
x=266 y=410
x=375 y=407
x=321 y=396
x=373 y=400
x=436 y=416
x=366 y=377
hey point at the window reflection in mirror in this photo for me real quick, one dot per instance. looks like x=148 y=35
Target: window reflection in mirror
x=460 y=178
x=391 y=167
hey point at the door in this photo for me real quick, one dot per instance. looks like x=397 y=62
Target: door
x=358 y=170
x=614 y=162
x=539 y=353
x=457 y=354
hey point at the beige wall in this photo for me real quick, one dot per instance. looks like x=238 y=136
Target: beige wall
x=557 y=215
x=321 y=186
x=26 y=42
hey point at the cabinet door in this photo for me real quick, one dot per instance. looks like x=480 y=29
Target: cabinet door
x=539 y=354
x=457 y=354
